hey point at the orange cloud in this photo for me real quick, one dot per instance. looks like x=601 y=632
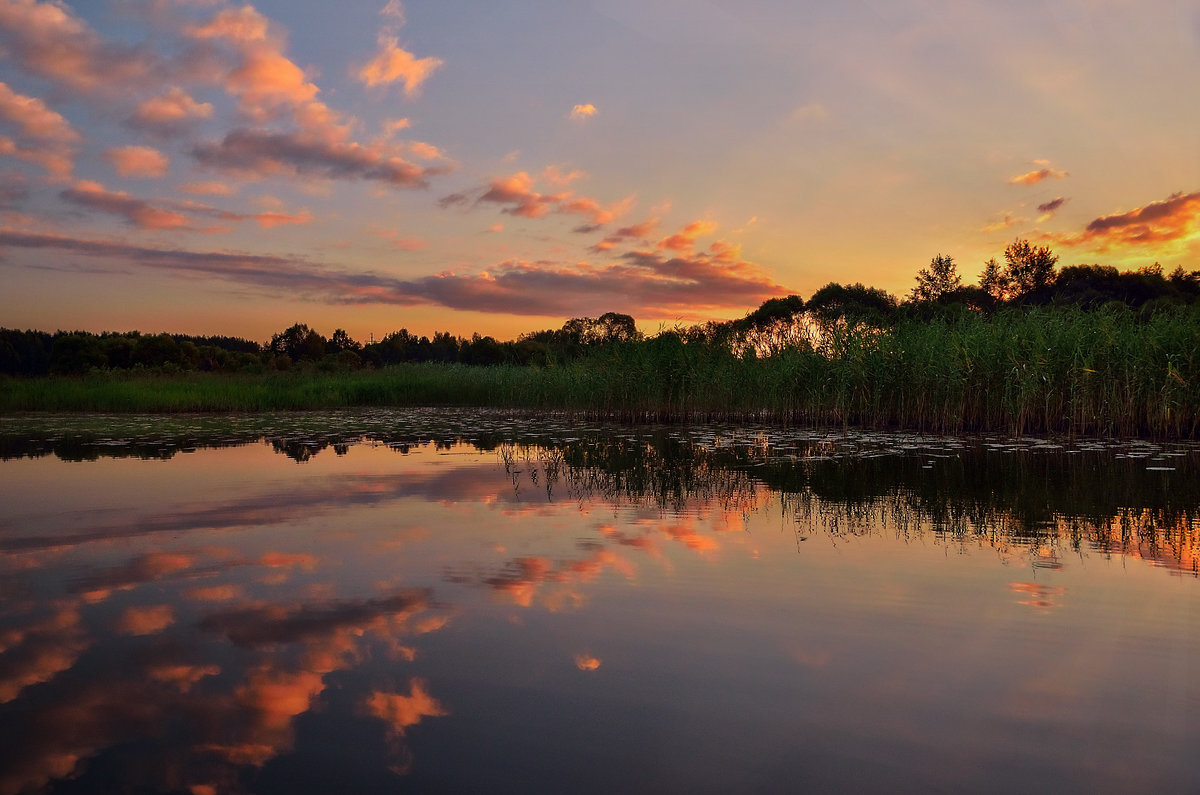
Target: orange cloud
x=1034 y=177
x=241 y=25
x=266 y=82
x=1038 y=596
x=145 y=620
x=425 y=151
x=1175 y=218
x=559 y=178
x=587 y=662
x=137 y=161
x=39 y=651
x=181 y=676
x=1006 y=222
x=393 y=64
x=402 y=711
x=685 y=239
x=581 y=112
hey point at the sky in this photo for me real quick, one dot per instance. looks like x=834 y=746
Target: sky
x=206 y=167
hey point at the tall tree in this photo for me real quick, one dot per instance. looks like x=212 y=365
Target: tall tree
x=939 y=279
x=1029 y=268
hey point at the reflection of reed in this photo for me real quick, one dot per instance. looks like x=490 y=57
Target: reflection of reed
x=669 y=475
x=1016 y=496
x=1038 y=507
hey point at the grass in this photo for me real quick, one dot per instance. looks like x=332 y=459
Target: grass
x=1033 y=371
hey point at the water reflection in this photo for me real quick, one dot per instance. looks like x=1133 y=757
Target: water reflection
x=481 y=602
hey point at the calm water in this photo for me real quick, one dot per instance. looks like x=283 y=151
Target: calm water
x=430 y=601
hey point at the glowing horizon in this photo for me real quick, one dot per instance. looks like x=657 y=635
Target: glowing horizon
x=204 y=167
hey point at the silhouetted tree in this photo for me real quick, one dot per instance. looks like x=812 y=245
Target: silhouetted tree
x=1028 y=268
x=993 y=280
x=298 y=342
x=939 y=279
x=855 y=303
x=341 y=341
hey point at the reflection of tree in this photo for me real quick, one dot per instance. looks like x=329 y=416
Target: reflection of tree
x=1038 y=503
x=1009 y=496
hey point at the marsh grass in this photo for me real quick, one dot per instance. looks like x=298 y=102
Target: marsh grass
x=1033 y=371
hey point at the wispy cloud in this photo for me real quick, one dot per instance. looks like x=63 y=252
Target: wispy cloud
x=394 y=64
x=258 y=153
x=517 y=196
x=1048 y=209
x=1007 y=222
x=685 y=238
x=1034 y=177
x=208 y=189
x=136 y=212
x=643 y=282
x=1174 y=219
x=168 y=214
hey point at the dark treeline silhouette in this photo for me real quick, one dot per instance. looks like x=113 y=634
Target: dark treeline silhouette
x=1026 y=278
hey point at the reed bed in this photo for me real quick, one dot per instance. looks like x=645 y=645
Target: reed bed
x=1048 y=370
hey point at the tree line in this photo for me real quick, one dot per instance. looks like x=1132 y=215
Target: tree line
x=1027 y=277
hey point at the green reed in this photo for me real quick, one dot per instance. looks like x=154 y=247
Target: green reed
x=1047 y=370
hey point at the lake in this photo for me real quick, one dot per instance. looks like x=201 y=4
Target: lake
x=444 y=601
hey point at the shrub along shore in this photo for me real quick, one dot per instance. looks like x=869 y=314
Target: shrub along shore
x=1042 y=370
x=1086 y=350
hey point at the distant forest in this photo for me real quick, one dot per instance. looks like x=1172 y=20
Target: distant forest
x=1027 y=277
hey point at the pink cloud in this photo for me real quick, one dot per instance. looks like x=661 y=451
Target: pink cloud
x=168 y=215
x=34 y=119
x=516 y=191
x=393 y=64
x=136 y=212
x=45 y=137
x=169 y=113
x=57 y=162
x=137 y=161
x=425 y=151
x=642 y=282
x=49 y=40
x=208 y=189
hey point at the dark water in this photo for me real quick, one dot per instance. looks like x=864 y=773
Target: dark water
x=432 y=601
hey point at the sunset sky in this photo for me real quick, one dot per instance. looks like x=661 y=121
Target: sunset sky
x=205 y=167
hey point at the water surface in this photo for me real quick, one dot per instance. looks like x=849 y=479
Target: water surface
x=440 y=601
